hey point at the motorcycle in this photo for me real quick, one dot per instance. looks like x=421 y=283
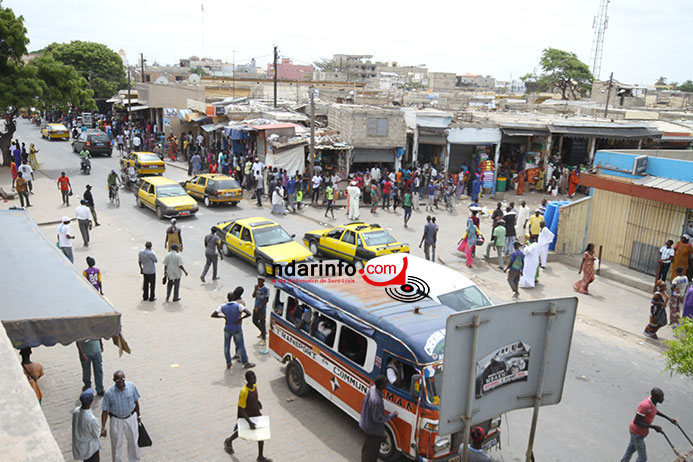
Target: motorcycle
x=85 y=166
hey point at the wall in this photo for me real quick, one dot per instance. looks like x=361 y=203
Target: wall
x=351 y=123
x=441 y=80
x=175 y=96
x=674 y=169
x=572 y=227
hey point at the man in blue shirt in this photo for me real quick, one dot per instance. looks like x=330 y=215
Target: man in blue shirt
x=234 y=312
x=121 y=403
x=373 y=420
x=291 y=193
x=261 y=296
x=476 y=189
x=515 y=265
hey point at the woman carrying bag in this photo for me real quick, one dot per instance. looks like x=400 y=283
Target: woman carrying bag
x=471 y=238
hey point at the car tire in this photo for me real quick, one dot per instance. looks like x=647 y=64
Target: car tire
x=226 y=251
x=159 y=213
x=110 y=154
x=260 y=267
x=207 y=202
x=295 y=378
x=388 y=448
x=140 y=204
x=313 y=246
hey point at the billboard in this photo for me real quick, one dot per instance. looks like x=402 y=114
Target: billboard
x=495 y=357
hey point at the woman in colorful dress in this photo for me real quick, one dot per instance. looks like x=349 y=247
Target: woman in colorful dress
x=658 y=311
x=173 y=236
x=374 y=197
x=587 y=270
x=469 y=240
x=33 y=160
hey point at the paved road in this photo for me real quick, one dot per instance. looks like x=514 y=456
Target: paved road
x=188 y=397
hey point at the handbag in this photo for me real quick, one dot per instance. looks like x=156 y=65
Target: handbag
x=479 y=240
x=163 y=281
x=143 y=440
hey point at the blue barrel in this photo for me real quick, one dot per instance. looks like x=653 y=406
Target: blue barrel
x=553 y=224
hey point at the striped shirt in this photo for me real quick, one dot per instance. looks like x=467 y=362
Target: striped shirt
x=120 y=403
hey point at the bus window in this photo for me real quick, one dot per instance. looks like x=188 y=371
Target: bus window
x=353 y=345
x=399 y=373
x=278 y=303
x=292 y=310
x=306 y=317
x=325 y=330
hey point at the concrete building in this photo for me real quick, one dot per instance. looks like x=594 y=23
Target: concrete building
x=330 y=76
x=208 y=64
x=427 y=136
x=441 y=81
x=160 y=74
x=286 y=70
x=417 y=75
x=358 y=68
x=473 y=82
x=377 y=135
x=510 y=87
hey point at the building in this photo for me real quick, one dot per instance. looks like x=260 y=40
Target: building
x=475 y=82
x=286 y=70
x=358 y=68
x=427 y=131
x=441 y=81
x=510 y=87
x=330 y=76
x=208 y=64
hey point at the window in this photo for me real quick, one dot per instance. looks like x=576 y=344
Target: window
x=147 y=188
x=227 y=228
x=236 y=230
x=325 y=329
x=353 y=345
x=201 y=181
x=147 y=77
x=335 y=233
x=404 y=372
x=349 y=237
x=376 y=126
x=292 y=310
x=278 y=306
x=465 y=299
x=245 y=235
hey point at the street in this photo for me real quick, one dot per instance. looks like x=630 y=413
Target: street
x=189 y=399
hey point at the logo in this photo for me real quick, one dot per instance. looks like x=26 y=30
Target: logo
x=403 y=288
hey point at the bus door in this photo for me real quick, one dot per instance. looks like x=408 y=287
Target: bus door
x=402 y=376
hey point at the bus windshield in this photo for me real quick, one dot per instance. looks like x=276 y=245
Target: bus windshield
x=434 y=384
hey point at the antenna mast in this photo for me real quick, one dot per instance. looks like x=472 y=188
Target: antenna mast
x=601 y=22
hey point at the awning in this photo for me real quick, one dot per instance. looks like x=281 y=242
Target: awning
x=197 y=118
x=114 y=100
x=208 y=127
x=372 y=155
x=59 y=306
x=524 y=132
x=666 y=184
x=138 y=108
x=622 y=133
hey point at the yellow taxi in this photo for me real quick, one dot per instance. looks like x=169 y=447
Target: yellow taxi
x=55 y=132
x=166 y=197
x=355 y=243
x=144 y=163
x=214 y=188
x=262 y=242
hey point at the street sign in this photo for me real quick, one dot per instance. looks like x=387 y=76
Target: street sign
x=496 y=357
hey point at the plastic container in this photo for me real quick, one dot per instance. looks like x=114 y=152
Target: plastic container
x=501 y=184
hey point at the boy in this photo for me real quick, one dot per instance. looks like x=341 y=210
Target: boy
x=248 y=406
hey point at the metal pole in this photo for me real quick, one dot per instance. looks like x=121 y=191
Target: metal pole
x=311 y=92
x=142 y=65
x=275 y=77
x=608 y=95
x=542 y=374
x=129 y=112
x=600 y=260
x=476 y=323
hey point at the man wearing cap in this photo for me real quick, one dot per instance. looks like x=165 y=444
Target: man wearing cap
x=87 y=196
x=84 y=218
x=64 y=238
x=121 y=403
x=85 y=430
x=474 y=451
x=641 y=424
x=147 y=261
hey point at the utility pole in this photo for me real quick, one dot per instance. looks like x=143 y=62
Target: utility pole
x=276 y=56
x=311 y=92
x=233 y=74
x=142 y=65
x=608 y=95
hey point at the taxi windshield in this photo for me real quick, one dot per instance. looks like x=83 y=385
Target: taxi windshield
x=465 y=299
x=57 y=127
x=271 y=235
x=379 y=237
x=227 y=184
x=170 y=190
x=148 y=157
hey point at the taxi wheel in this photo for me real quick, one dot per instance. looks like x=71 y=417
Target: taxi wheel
x=388 y=448
x=260 y=266
x=358 y=264
x=159 y=213
x=295 y=379
x=207 y=202
x=227 y=251
x=314 y=248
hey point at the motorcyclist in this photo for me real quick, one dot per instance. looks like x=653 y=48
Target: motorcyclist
x=85 y=164
x=113 y=182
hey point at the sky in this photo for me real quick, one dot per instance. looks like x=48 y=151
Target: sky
x=502 y=38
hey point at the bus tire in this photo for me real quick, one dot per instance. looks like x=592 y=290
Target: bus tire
x=295 y=379
x=388 y=448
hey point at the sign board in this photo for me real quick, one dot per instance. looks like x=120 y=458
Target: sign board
x=503 y=374
x=219 y=110
x=87 y=119
x=640 y=165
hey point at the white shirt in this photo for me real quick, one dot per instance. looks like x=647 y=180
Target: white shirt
x=316 y=181
x=522 y=216
x=324 y=329
x=136 y=142
x=257 y=168
x=375 y=174
x=200 y=139
x=678 y=285
x=85 y=433
x=27 y=172
x=82 y=212
x=64 y=231
x=667 y=253
x=391 y=176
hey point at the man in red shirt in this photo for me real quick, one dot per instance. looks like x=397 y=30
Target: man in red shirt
x=65 y=188
x=641 y=424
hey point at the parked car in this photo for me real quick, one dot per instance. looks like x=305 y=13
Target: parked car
x=95 y=141
x=166 y=197
x=214 y=188
x=55 y=132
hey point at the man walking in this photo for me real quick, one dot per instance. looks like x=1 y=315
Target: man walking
x=522 y=218
x=212 y=245
x=291 y=193
x=93 y=275
x=28 y=174
x=354 y=194
x=329 y=195
x=22 y=189
x=430 y=235
x=373 y=420
x=641 y=424
x=64 y=238
x=87 y=196
x=261 y=296
x=515 y=265
x=173 y=270
x=544 y=241
x=65 y=188
x=147 y=261
x=499 y=242
x=234 y=312
x=90 y=356
x=249 y=405
x=534 y=224
x=83 y=215
x=122 y=403
x=85 y=430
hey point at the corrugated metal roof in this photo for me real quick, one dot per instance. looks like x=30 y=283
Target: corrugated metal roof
x=665 y=184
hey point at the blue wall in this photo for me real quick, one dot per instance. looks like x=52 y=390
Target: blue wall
x=673 y=169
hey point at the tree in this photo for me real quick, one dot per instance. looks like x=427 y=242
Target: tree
x=326 y=65
x=661 y=81
x=679 y=356
x=563 y=71
x=686 y=86
x=64 y=86
x=100 y=66
x=198 y=70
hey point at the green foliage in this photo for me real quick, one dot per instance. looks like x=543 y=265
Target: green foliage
x=661 y=81
x=100 y=66
x=326 y=65
x=64 y=86
x=198 y=70
x=686 y=86
x=679 y=356
x=563 y=71
x=13 y=39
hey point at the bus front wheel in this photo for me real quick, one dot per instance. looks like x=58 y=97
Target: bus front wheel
x=295 y=379
x=388 y=448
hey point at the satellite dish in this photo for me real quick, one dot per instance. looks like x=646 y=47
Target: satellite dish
x=194 y=78
x=161 y=80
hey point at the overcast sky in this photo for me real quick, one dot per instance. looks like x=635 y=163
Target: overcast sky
x=503 y=38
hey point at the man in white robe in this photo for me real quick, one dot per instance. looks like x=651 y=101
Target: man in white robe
x=521 y=223
x=354 y=195
x=529 y=272
x=545 y=239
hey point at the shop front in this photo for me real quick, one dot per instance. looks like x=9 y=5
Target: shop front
x=366 y=158
x=524 y=149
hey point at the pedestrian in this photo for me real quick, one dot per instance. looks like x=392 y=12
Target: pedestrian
x=90 y=356
x=510 y=218
x=87 y=196
x=476 y=189
x=299 y=197
x=147 y=261
x=354 y=194
x=258 y=188
x=475 y=451
x=520 y=182
x=687 y=311
x=291 y=193
x=545 y=239
x=429 y=238
x=28 y=174
x=530 y=272
x=173 y=270
x=122 y=403
x=329 y=195
x=174 y=236
x=22 y=189
x=641 y=424
x=249 y=406
x=515 y=267
x=234 y=312
x=278 y=201
x=666 y=255
x=261 y=296
x=64 y=238
x=535 y=224
x=85 y=430
x=212 y=246
x=84 y=218
x=498 y=239
x=196 y=162
x=65 y=188
x=93 y=275
x=430 y=196
x=33 y=371
x=683 y=252
x=658 y=311
x=678 y=288
x=406 y=205
x=373 y=419
x=315 y=185
x=375 y=196
x=467 y=243
x=522 y=218
x=587 y=270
